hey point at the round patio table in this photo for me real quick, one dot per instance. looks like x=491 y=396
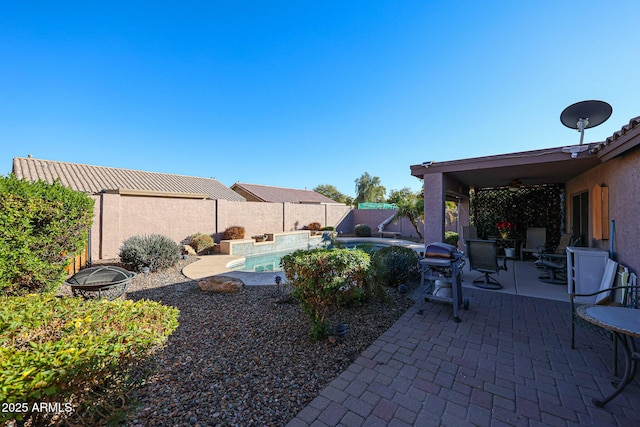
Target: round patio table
x=107 y=282
x=625 y=324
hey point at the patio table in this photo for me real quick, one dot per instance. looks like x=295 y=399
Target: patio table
x=625 y=324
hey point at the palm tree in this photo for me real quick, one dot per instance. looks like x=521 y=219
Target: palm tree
x=411 y=208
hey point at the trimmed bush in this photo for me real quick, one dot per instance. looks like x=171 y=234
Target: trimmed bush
x=362 y=230
x=322 y=279
x=328 y=228
x=234 y=232
x=56 y=349
x=155 y=251
x=42 y=226
x=314 y=226
x=201 y=242
x=451 y=237
x=394 y=265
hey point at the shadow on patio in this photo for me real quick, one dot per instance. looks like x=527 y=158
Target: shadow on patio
x=521 y=278
x=508 y=362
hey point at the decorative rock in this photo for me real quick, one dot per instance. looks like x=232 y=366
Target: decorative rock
x=188 y=250
x=221 y=284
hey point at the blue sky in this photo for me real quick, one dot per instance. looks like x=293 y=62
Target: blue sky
x=298 y=94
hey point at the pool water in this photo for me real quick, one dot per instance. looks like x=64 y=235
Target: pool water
x=263 y=262
x=271 y=261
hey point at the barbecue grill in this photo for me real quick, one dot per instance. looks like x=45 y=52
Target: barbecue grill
x=442 y=264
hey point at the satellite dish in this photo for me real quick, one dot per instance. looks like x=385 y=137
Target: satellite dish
x=584 y=115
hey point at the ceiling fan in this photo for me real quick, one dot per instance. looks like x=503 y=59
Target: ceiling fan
x=516 y=184
x=584 y=115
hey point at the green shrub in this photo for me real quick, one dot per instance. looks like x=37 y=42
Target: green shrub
x=314 y=226
x=56 y=349
x=451 y=237
x=394 y=265
x=328 y=228
x=155 y=251
x=322 y=279
x=201 y=242
x=234 y=232
x=42 y=226
x=362 y=230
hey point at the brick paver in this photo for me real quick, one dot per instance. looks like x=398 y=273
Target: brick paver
x=508 y=363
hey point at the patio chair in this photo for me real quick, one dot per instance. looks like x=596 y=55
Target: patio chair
x=535 y=242
x=617 y=288
x=469 y=232
x=567 y=239
x=555 y=263
x=483 y=257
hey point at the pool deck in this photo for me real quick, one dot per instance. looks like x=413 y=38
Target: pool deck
x=213 y=265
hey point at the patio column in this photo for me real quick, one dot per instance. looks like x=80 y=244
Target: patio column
x=434 y=207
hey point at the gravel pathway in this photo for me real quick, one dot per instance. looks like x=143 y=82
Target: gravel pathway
x=244 y=359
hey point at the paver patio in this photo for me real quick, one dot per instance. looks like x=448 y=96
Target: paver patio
x=508 y=362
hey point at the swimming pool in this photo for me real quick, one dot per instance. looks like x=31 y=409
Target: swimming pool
x=271 y=261
x=259 y=263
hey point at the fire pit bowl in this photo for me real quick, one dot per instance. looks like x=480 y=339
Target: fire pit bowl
x=100 y=282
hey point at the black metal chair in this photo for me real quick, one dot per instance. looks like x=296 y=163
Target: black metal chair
x=617 y=288
x=483 y=257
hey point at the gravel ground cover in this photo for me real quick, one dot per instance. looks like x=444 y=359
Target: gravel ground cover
x=244 y=359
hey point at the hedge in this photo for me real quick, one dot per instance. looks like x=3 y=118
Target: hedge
x=42 y=227
x=53 y=349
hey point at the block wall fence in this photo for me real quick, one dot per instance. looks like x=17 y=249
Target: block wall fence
x=118 y=217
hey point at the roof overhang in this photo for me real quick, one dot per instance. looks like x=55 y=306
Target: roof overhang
x=547 y=166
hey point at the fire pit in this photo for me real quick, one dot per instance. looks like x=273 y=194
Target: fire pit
x=100 y=282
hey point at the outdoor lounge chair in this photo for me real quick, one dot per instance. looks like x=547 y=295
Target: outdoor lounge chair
x=617 y=288
x=567 y=239
x=535 y=242
x=483 y=257
x=555 y=263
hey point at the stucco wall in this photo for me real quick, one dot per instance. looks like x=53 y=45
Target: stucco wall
x=374 y=217
x=118 y=217
x=434 y=208
x=622 y=176
x=255 y=217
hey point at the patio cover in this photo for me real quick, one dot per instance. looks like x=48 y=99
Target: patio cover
x=453 y=179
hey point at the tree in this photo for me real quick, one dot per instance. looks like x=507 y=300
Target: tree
x=369 y=189
x=332 y=192
x=410 y=205
x=396 y=196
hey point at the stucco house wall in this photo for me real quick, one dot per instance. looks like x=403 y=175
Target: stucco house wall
x=622 y=175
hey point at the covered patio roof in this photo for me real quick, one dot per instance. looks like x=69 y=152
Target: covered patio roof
x=546 y=166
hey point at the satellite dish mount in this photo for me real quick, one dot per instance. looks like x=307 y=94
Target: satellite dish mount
x=584 y=115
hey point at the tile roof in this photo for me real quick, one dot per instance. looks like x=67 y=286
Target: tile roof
x=618 y=136
x=266 y=193
x=93 y=179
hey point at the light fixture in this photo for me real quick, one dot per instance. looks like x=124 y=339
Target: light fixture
x=514 y=185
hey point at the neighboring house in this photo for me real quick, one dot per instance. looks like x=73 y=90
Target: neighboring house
x=94 y=179
x=265 y=193
x=613 y=163
x=131 y=202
